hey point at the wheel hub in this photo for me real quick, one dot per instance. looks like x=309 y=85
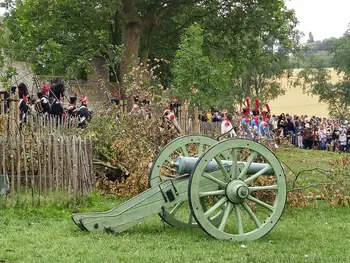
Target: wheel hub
x=237 y=191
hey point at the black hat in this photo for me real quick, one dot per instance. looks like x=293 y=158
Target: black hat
x=72 y=100
x=22 y=89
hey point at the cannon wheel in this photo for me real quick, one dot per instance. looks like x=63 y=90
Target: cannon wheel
x=163 y=159
x=246 y=217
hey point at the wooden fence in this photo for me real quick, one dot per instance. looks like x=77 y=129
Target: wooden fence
x=51 y=124
x=190 y=123
x=45 y=170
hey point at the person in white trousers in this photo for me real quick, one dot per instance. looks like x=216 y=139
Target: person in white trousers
x=226 y=126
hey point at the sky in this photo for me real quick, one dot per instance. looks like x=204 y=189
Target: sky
x=324 y=18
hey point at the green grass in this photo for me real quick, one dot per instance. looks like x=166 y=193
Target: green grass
x=302 y=235
x=299 y=160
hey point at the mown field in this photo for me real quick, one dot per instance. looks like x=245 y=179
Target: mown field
x=310 y=234
x=296 y=101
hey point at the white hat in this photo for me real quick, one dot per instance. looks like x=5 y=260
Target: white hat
x=307 y=125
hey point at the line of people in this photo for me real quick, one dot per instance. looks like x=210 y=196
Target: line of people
x=49 y=101
x=300 y=131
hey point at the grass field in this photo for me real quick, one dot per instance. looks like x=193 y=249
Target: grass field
x=302 y=235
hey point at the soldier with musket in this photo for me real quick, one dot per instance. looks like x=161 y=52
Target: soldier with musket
x=42 y=105
x=56 y=97
x=23 y=102
x=72 y=106
x=83 y=113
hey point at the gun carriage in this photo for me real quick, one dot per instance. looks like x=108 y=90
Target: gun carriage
x=196 y=181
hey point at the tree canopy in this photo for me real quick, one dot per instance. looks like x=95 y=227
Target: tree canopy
x=59 y=38
x=316 y=78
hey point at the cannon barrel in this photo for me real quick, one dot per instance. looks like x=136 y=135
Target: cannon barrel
x=185 y=165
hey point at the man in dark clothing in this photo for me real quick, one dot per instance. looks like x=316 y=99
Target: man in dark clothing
x=175 y=106
x=308 y=136
x=291 y=130
x=335 y=139
x=83 y=113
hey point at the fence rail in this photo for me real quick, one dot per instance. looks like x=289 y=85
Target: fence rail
x=44 y=170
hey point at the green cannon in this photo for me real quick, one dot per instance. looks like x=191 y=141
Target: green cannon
x=233 y=189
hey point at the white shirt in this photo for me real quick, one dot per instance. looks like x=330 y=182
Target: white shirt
x=226 y=127
x=342 y=139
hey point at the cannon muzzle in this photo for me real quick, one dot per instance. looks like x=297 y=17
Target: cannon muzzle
x=185 y=165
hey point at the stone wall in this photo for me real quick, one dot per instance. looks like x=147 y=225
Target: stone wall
x=25 y=75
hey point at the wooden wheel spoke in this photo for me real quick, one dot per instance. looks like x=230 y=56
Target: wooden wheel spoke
x=252 y=215
x=184 y=150
x=216 y=206
x=215 y=180
x=239 y=220
x=176 y=208
x=234 y=167
x=212 y=193
x=200 y=149
x=263 y=188
x=247 y=165
x=259 y=202
x=256 y=175
x=227 y=212
x=222 y=168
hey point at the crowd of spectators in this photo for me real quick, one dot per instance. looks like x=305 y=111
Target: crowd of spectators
x=300 y=131
x=313 y=133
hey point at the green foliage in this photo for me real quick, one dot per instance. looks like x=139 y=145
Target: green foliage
x=198 y=78
x=262 y=76
x=53 y=35
x=316 y=79
x=59 y=37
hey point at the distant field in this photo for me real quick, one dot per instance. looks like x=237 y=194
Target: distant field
x=296 y=102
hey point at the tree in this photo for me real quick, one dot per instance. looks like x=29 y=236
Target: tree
x=262 y=75
x=311 y=38
x=81 y=29
x=198 y=79
x=316 y=79
x=54 y=35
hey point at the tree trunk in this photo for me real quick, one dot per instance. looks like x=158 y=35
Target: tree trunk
x=146 y=46
x=131 y=34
